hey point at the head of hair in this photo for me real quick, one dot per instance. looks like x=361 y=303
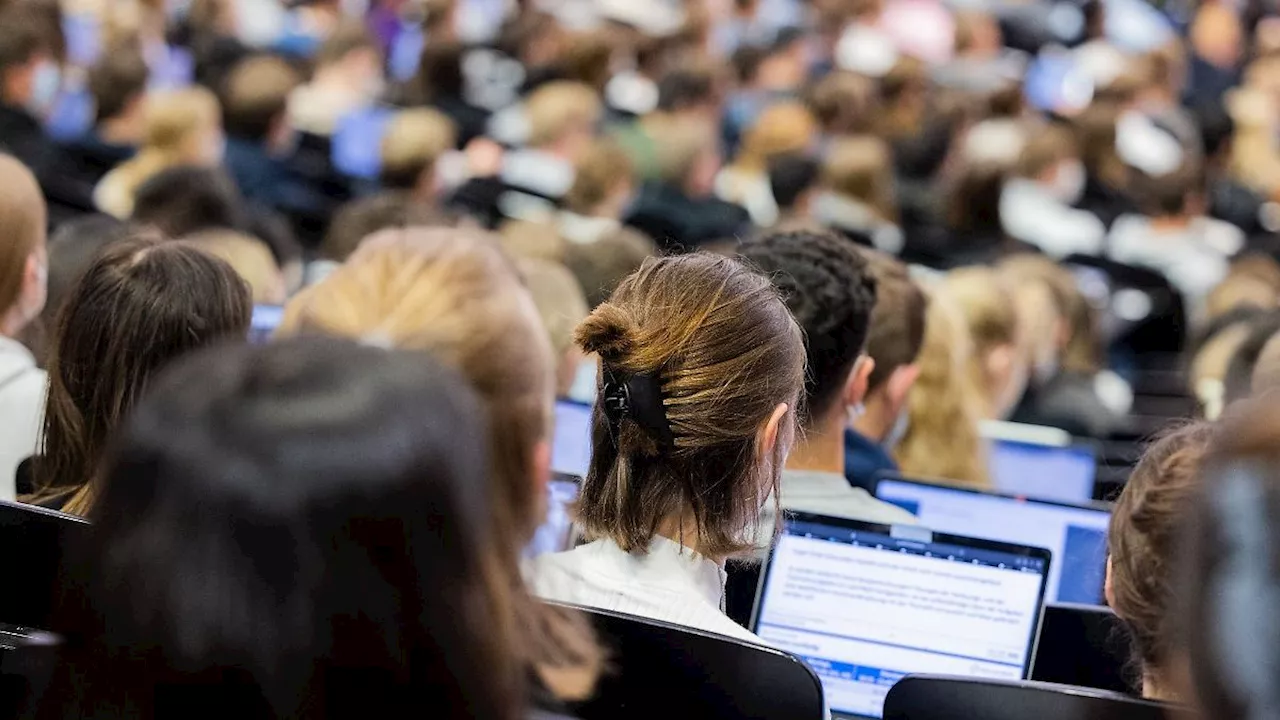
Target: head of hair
x=709 y=330
x=986 y=302
x=791 y=175
x=142 y=304
x=943 y=408
x=746 y=62
x=24 y=33
x=72 y=248
x=586 y=58
x=1170 y=194
x=173 y=118
x=678 y=146
x=1252 y=281
x=1044 y=149
x=897 y=329
x=455 y=294
x=781 y=128
x=440 y=72
x=685 y=88
x=844 y=103
x=601 y=171
x=973 y=198
x=561 y=305
x=601 y=265
x=1082 y=351
x=359 y=219
x=1095 y=130
x=23 y=217
x=1143 y=540
x=309 y=532
x=347 y=38
x=560 y=107
x=415 y=139
x=118 y=79
x=255 y=95
x=860 y=167
x=249 y=257
x=1238 y=382
x=185 y=200
x=830 y=291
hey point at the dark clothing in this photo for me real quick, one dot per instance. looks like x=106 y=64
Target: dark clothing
x=471 y=120
x=678 y=222
x=25 y=484
x=865 y=461
x=1069 y=401
x=22 y=136
x=275 y=183
x=1105 y=203
x=90 y=157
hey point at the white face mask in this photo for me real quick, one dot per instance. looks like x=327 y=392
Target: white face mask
x=1068 y=181
x=45 y=84
x=899 y=430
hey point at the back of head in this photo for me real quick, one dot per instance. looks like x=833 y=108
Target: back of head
x=175 y=118
x=347 y=38
x=73 y=247
x=1238 y=382
x=711 y=351
x=897 y=329
x=830 y=291
x=22 y=215
x=600 y=173
x=185 y=200
x=844 y=103
x=1144 y=539
x=249 y=257
x=678 y=146
x=255 y=96
x=861 y=168
x=985 y=301
x=296 y=523
x=560 y=107
x=415 y=139
x=685 y=88
x=359 y=219
x=780 y=128
x=1169 y=195
x=119 y=78
x=601 y=265
x=562 y=306
x=1045 y=148
x=141 y=304
x=790 y=176
x=24 y=33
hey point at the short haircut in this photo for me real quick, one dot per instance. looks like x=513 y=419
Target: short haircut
x=558 y=107
x=844 y=102
x=249 y=257
x=1239 y=378
x=685 y=88
x=599 y=266
x=256 y=94
x=898 y=320
x=790 y=176
x=1044 y=149
x=357 y=220
x=1168 y=194
x=24 y=32
x=677 y=146
x=861 y=167
x=558 y=298
x=600 y=171
x=415 y=139
x=186 y=200
x=347 y=38
x=23 y=217
x=119 y=78
x=73 y=247
x=830 y=291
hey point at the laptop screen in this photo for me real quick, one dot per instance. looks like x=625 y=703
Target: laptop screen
x=556 y=532
x=265 y=320
x=571 y=448
x=865 y=605
x=1043 y=471
x=1077 y=535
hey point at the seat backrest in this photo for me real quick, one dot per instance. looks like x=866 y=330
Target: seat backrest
x=658 y=670
x=1161 y=331
x=1083 y=645
x=32 y=543
x=936 y=697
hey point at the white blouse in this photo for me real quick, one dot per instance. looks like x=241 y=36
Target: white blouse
x=670 y=583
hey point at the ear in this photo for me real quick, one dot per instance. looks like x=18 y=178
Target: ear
x=855 y=388
x=900 y=383
x=1000 y=361
x=769 y=439
x=1108 y=590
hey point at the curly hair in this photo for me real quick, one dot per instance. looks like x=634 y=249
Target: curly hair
x=831 y=292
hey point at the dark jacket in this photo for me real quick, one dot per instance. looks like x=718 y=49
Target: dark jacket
x=530 y=184
x=90 y=157
x=678 y=222
x=22 y=136
x=866 y=461
x=1069 y=401
x=275 y=183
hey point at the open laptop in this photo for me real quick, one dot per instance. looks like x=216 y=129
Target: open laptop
x=556 y=532
x=571 y=444
x=1040 y=462
x=263 y=324
x=865 y=605
x=1075 y=533
x=33 y=541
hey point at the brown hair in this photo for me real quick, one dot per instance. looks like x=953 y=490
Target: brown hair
x=601 y=265
x=359 y=219
x=724 y=351
x=415 y=139
x=455 y=294
x=1083 y=350
x=142 y=304
x=844 y=102
x=897 y=320
x=118 y=79
x=256 y=95
x=1045 y=148
x=22 y=215
x=781 y=128
x=250 y=257
x=1143 y=537
x=560 y=107
x=600 y=171
x=348 y=37
x=861 y=167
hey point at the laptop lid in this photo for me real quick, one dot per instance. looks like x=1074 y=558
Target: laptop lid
x=1076 y=534
x=556 y=532
x=571 y=444
x=865 y=605
x=33 y=541
x=1040 y=462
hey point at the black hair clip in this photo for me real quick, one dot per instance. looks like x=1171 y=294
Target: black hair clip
x=639 y=398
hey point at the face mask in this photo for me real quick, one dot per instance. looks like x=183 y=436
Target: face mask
x=1045 y=367
x=1013 y=391
x=45 y=84
x=899 y=431
x=1068 y=182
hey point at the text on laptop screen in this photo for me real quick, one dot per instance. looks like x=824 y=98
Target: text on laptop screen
x=1043 y=472
x=1077 y=536
x=571 y=448
x=556 y=532
x=865 y=609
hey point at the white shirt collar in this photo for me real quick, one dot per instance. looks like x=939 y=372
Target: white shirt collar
x=668 y=562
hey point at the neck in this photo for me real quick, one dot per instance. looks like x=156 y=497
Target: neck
x=1153 y=688
x=12 y=322
x=822 y=449
x=876 y=422
x=1170 y=222
x=682 y=531
x=122 y=130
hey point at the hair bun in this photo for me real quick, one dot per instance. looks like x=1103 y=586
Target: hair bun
x=608 y=332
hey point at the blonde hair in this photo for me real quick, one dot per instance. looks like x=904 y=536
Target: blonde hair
x=989 y=311
x=558 y=107
x=23 y=216
x=561 y=305
x=601 y=170
x=454 y=293
x=861 y=167
x=249 y=257
x=414 y=141
x=780 y=129
x=174 y=121
x=678 y=144
x=942 y=439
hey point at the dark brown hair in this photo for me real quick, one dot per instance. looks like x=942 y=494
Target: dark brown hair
x=897 y=320
x=140 y=305
x=119 y=78
x=725 y=352
x=256 y=94
x=1143 y=538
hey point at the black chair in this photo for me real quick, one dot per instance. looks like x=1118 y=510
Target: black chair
x=32 y=544
x=657 y=670
x=1152 y=336
x=1084 y=645
x=937 y=697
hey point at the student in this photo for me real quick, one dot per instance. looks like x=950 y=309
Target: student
x=250 y=258
x=562 y=307
x=781 y=128
x=999 y=365
x=23 y=278
x=143 y=303
x=830 y=290
x=118 y=84
x=412 y=148
x=182 y=127
x=894 y=340
x=688 y=440
x=187 y=199
x=1143 y=540
x=857 y=198
x=359 y=219
x=347 y=78
x=599 y=266
x=603 y=187
x=793 y=180
x=1035 y=206
x=454 y=293
x=252 y=560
